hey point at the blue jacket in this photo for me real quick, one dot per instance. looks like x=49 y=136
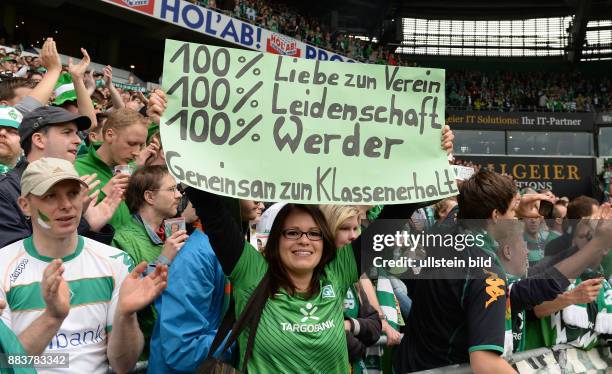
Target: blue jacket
x=189 y=310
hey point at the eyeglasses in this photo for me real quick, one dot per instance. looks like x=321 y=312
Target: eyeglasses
x=294 y=234
x=172 y=189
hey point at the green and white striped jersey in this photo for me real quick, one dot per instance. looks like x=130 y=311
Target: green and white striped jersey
x=94 y=273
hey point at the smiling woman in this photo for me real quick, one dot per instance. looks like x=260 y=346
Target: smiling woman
x=302 y=324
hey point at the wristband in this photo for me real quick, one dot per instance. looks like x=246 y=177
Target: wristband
x=163 y=260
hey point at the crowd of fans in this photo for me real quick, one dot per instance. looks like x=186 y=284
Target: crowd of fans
x=465 y=90
x=282 y=18
x=528 y=91
x=108 y=259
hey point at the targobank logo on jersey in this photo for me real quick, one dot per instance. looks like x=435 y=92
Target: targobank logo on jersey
x=61 y=340
x=308 y=314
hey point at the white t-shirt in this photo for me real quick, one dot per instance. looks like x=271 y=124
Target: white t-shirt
x=94 y=273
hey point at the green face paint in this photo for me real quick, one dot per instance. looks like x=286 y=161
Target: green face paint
x=43 y=216
x=42 y=220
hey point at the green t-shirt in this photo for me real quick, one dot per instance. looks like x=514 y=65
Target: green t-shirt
x=9 y=343
x=133 y=239
x=297 y=335
x=91 y=163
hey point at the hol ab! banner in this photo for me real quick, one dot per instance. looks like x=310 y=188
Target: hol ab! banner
x=273 y=128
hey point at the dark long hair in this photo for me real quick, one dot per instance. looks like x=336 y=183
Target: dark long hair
x=279 y=278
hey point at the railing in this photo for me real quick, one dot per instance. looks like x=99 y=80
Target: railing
x=561 y=358
x=558 y=359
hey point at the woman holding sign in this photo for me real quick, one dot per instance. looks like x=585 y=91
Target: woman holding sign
x=301 y=328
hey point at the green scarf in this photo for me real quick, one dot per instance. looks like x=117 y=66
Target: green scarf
x=581 y=324
x=603 y=321
x=373 y=362
x=351 y=310
x=515 y=334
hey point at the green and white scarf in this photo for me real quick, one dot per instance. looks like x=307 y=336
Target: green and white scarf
x=596 y=315
x=581 y=325
x=64 y=90
x=387 y=301
x=603 y=321
x=515 y=333
x=351 y=310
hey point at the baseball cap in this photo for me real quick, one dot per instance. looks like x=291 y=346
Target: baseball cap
x=44 y=173
x=7 y=58
x=49 y=116
x=10 y=117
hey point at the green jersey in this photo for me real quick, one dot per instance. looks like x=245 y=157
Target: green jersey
x=134 y=239
x=296 y=335
x=91 y=163
x=10 y=344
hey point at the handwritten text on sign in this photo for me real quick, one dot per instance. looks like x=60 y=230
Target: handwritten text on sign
x=265 y=127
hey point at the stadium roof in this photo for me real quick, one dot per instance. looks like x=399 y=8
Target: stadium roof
x=498 y=9
x=577 y=39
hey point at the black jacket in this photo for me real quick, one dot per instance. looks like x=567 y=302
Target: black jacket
x=365 y=329
x=15 y=226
